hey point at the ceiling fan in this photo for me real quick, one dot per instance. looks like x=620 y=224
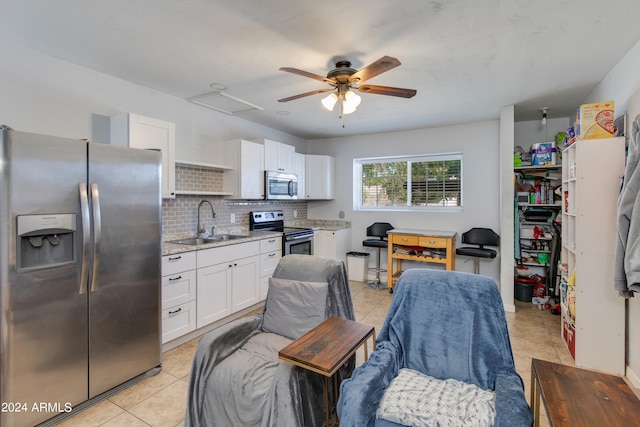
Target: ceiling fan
x=344 y=79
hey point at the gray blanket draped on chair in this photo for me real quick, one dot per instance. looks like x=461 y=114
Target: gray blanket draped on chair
x=236 y=376
x=447 y=325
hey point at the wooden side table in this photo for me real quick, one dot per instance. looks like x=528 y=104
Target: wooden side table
x=326 y=348
x=575 y=397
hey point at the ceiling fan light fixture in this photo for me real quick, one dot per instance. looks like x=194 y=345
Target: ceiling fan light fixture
x=348 y=108
x=351 y=99
x=330 y=101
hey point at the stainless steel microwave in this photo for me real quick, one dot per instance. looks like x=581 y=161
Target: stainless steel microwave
x=280 y=186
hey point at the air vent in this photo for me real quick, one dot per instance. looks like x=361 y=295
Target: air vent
x=223 y=102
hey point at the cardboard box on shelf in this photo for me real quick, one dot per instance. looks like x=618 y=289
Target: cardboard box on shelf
x=596 y=120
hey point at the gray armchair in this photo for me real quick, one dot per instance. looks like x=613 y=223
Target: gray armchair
x=236 y=376
x=447 y=325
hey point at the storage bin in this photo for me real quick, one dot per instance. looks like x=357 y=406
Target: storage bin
x=523 y=288
x=357 y=266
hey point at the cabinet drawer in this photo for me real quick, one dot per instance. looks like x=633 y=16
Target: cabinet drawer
x=400 y=239
x=178 y=288
x=227 y=253
x=432 y=242
x=178 y=320
x=270 y=245
x=268 y=262
x=172 y=264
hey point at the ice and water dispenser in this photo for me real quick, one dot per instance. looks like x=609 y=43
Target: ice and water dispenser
x=45 y=241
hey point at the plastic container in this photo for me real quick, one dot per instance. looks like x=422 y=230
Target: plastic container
x=523 y=288
x=357 y=266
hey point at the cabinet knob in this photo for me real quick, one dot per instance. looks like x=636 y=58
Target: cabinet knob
x=432 y=242
x=171 y=279
x=175 y=258
x=272 y=255
x=404 y=239
x=177 y=311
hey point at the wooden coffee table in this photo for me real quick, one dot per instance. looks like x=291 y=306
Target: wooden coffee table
x=326 y=348
x=575 y=397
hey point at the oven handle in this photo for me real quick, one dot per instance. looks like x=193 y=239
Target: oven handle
x=290 y=238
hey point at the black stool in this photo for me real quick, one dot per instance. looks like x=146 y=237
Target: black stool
x=480 y=237
x=379 y=230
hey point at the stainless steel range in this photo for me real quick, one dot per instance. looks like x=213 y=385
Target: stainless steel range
x=295 y=240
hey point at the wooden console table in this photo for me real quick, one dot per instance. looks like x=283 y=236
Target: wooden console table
x=441 y=241
x=327 y=347
x=576 y=397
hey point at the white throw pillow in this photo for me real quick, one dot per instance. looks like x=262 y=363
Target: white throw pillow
x=419 y=400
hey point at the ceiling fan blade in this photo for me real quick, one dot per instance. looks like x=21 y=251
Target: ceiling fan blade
x=386 y=90
x=306 y=74
x=302 y=95
x=380 y=66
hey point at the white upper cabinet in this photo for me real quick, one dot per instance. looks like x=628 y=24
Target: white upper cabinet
x=278 y=156
x=320 y=171
x=136 y=131
x=298 y=169
x=246 y=179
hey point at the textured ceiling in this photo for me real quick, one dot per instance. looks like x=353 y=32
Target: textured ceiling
x=466 y=58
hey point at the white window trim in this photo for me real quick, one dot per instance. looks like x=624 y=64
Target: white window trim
x=357 y=182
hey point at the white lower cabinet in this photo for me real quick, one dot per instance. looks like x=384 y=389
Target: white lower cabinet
x=201 y=287
x=178 y=295
x=228 y=281
x=214 y=293
x=270 y=254
x=178 y=321
x=332 y=243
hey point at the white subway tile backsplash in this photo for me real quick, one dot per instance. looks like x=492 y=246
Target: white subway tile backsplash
x=179 y=216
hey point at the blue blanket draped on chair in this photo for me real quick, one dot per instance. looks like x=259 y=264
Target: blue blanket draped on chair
x=444 y=324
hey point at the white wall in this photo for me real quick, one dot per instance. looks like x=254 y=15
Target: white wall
x=622 y=85
x=532 y=132
x=507 y=212
x=45 y=95
x=479 y=144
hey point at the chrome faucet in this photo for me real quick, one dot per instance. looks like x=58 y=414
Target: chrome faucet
x=201 y=229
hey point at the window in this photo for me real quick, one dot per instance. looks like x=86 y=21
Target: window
x=423 y=182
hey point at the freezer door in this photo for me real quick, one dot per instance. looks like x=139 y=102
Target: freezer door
x=125 y=282
x=43 y=311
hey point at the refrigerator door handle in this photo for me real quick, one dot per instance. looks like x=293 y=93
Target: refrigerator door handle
x=86 y=228
x=97 y=235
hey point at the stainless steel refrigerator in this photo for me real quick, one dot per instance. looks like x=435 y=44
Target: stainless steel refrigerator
x=80 y=251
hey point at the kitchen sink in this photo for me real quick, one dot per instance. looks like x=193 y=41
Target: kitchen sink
x=206 y=240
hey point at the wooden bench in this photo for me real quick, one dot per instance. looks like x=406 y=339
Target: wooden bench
x=575 y=397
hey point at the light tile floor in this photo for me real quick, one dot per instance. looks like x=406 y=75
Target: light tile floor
x=160 y=401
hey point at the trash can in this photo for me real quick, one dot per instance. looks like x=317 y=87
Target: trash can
x=358 y=266
x=523 y=288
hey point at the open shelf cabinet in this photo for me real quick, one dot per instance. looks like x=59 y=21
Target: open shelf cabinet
x=593 y=315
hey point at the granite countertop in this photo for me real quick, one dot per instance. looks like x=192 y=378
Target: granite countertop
x=319 y=224
x=169 y=248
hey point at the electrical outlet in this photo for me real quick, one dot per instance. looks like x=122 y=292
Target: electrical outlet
x=233 y=218
x=295 y=214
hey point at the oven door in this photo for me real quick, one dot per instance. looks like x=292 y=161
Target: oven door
x=281 y=186
x=302 y=245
